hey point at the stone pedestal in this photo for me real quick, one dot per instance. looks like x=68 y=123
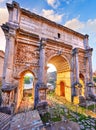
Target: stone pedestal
x=40 y=95
x=8 y=99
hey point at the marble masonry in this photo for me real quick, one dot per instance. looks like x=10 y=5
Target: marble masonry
x=32 y=42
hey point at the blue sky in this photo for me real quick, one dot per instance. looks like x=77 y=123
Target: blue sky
x=79 y=15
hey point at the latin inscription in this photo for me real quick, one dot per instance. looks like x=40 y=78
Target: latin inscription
x=46 y=30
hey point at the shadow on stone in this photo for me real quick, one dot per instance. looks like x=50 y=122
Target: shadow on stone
x=6 y=110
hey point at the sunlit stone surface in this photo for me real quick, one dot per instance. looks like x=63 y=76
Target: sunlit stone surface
x=31 y=43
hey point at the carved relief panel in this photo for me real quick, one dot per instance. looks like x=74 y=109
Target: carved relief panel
x=26 y=54
x=26 y=58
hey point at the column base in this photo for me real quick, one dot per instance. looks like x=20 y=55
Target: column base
x=40 y=95
x=8 y=98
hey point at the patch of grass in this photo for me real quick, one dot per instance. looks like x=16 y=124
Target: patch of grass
x=46 y=117
x=91 y=107
x=55 y=119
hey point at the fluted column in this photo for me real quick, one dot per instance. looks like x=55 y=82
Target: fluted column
x=42 y=61
x=89 y=71
x=90 y=65
x=75 y=65
x=9 y=55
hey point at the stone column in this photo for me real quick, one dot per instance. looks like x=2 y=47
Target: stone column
x=9 y=56
x=40 y=87
x=75 y=69
x=8 y=86
x=42 y=61
x=76 y=64
x=6 y=57
x=89 y=73
x=90 y=65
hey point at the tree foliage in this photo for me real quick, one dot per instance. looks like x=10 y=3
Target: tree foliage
x=27 y=79
x=94 y=79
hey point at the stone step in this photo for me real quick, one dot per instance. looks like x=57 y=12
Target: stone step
x=26 y=121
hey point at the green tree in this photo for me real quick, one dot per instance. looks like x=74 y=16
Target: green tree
x=94 y=79
x=27 y=80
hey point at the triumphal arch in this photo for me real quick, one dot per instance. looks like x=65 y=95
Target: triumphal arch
x=32 y=42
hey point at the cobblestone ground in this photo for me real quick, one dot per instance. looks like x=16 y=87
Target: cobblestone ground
x=74 y=113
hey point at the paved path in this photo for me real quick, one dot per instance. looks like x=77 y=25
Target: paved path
x=26 y=121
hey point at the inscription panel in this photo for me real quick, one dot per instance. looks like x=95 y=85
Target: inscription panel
x=48 y=31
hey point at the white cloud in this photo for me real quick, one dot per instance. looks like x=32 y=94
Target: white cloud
x=91 y=25
x=67 y=1
x=74 y=24
x=50 y=14
x=2 y=40
x=3 y=15
x=2 y=1
x=88 y=26
x=3 y=19
x=53 y=3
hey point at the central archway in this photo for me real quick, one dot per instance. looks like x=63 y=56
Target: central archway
x=63 y=81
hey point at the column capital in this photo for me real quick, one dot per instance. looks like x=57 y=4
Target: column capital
x=42 y=43
x=75 y=51
x=9 y=30
x=86 y=36
x=88 y=52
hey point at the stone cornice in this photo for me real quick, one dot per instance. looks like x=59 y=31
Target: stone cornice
x=14 y=4
x=50 y=41
x=40 y=18
x=25 y=33
x=81 y=50
x=89 y=49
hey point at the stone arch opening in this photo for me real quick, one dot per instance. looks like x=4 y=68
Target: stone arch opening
x=62 y=89
x=63 y=78
x=26 y=91
x=81 y=80
x=51 y=76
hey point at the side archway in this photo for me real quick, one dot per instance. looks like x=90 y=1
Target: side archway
x=62 y=89
x=81 y=80
x=26 y=89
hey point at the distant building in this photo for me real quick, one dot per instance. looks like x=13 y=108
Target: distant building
x=1 y=63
